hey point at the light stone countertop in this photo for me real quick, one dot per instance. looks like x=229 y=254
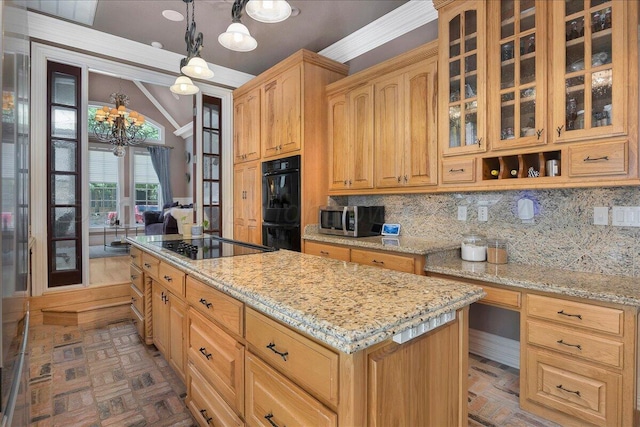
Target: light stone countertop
x=345 y=305
x=599 y=287
x=402 y=244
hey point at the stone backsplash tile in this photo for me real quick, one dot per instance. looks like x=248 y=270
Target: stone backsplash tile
x=562 y=234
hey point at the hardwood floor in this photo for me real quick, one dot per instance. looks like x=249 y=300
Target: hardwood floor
x=109 y=271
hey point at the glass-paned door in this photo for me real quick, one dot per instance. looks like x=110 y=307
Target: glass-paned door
x=520 y=51
x=64 y=202
x=464 y=71
x=211 y=164
x=591 y=80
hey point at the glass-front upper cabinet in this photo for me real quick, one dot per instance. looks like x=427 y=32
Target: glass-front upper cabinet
x=517 y=70
x=462 y=81
x=589 y=93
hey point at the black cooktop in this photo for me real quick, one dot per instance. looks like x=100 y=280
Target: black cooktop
x=208 y=247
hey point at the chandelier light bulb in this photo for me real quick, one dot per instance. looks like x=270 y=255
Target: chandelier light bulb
x=237 y=38
x=197 y=68
x=268 y=11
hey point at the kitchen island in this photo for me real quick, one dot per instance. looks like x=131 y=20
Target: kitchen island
x=341 y=317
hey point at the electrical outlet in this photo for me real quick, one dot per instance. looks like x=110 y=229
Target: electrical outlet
x=462 y=213
x=483 y=213
x=601 y=216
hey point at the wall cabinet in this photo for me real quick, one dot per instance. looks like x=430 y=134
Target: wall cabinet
x=382 y=126
x=562 y=79
x=246 y=127
x=169 y=326
x=281 y=113
x=246 y=202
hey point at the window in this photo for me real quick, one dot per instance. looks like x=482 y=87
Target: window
x=103 y=187
x=146 y=185
x=211 y=156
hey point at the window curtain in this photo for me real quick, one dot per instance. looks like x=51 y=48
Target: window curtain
x=160 y=160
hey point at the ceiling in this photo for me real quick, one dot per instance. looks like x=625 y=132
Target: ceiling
x=319 y=24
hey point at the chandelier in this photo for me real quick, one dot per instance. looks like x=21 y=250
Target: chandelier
x=118 y=127
x=193 y=65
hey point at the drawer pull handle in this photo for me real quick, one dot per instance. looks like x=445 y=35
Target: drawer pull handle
x=147 y=265
x=134 y=277
x=205 y=303
x=595 y=159
x=324 y=253
x=272 y=347
x=133 y=256
x=207 y=418
x=456 y=170
x=576 y=392
x=375 y=261
x=133 y=299
x=164 y=298
x=578 y=346
x=168 y=278
x=204 y=352
x=561 y=312
x=268 y=418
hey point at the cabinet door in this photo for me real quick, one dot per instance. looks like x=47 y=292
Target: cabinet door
x=269 y=118
x=591 y=78
x=360 y=113
x=290 y=111
x=462 y=82
x=177 y=326
x=389 y=122
x=159 y=311
x=246 y=127
x=339 y=150
x=239 y=215
x=420 y=139
x=517 y=73
x=251 y=184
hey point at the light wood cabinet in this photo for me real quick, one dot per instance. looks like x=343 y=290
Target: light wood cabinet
x=207 y=407
x=405 y=127
x=169 y=327
x=578 y=361
x=222 y=309
x=327 y=251
x=246 y=203
x=246 y=127
x=281 y=113
x=351 y=139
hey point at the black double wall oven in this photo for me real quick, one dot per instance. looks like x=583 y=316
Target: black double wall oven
x=281 y=203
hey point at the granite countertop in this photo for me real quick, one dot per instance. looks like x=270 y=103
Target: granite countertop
x=599 y=287
x=345 y=305
x=401 y=244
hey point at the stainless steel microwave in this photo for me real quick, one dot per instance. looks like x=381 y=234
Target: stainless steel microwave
x=352 y=221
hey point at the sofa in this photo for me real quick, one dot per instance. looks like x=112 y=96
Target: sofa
x=157 y=223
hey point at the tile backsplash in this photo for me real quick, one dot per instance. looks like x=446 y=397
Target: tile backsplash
x=562 y=234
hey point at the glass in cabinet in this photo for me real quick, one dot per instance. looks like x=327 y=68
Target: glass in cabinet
x=517 y=49
x=463 y=80
x=590 y=99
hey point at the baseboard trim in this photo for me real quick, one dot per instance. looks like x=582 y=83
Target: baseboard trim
x=494 y=347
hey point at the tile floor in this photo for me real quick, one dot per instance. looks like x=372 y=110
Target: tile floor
x=108 y=377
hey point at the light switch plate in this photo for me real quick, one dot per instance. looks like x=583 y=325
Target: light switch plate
x=483 y=213
x=462 y=213
x=601 y=216
x=625 y=216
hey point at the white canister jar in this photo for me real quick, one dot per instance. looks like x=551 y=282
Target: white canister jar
x=474 y=247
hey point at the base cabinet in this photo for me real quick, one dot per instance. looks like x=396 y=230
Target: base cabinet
x=169 y=327
x=207 y=407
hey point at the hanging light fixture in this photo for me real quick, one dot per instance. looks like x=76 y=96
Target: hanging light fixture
x=237 y=36
x=193 y=65
x=268 y=11
x=118 y=127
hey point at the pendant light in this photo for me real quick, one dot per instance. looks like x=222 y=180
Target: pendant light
x=268 y=11
x=237 y=36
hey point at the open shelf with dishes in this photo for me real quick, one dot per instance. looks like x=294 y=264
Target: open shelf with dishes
x=530 y=165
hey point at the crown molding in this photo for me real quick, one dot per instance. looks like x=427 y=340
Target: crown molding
x=408 y=17
x=77 y=37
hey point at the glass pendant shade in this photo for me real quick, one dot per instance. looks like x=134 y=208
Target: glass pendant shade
x=119 y=151
x=269 y=11
x=197 y=68
x=184 y=86
x=237 y=38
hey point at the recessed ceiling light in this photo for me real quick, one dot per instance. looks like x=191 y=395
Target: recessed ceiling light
x=173 y=15
x=157 y=45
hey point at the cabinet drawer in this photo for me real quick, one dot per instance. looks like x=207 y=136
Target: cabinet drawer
x=136 y=256
x=454 y=171
x=294 y=355
x=137 y=299
x=172 y=278
x=609 y=158
x=379 y=259
x=272 y=397
x=217 y=306
x=502 y=297
x=138 y=321
x=150 y=265
x=600 y=319
x=572 y=342
x=207 y=407
x=219 y=357
x=580 y=390
x=136 y=277
x=327 y=251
